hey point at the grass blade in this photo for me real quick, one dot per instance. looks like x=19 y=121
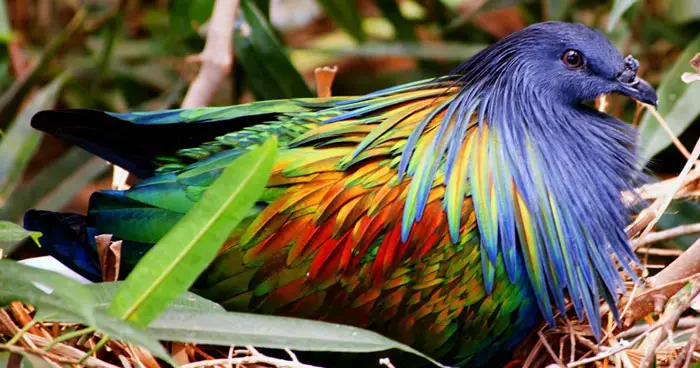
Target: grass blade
x=174 y=263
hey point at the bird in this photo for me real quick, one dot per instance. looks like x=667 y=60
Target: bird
x=452 y=214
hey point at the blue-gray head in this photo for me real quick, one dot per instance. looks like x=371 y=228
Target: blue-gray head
x=565 y=62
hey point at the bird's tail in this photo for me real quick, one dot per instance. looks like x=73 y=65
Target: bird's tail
x=134 y=140
x=65 y=236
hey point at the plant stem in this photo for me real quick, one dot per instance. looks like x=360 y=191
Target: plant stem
x=12 y=98
x=115 y=26
x=67 y=336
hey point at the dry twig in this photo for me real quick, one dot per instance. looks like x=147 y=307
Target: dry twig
x=660 y=236
x=217 y=56
x=678 y=304
x=249 y=360
x=650 y=216
x=664 y=284
x=686 y=355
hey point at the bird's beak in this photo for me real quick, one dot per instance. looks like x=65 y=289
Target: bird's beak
x=639 y=90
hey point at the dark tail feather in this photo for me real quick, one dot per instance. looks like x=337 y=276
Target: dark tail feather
x=133 y=145
x=65 y=237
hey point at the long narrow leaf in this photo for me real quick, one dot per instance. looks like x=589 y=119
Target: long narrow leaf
x=677 y=104
x=9 y=231
x=618 y=9
x=233 y=328
x=174 y=263
x=260 y=52
x=5 y=30
x=55 y=185
x=450 y=51
x=21 y=141
x=11 y=99
x=58 y=298
x=185 y=302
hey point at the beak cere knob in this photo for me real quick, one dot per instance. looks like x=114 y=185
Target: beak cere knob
x=633 y=86
x=631 y=64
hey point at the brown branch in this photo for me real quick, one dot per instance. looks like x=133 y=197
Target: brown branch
x=217 y=56
x=650 y=191
x=663 y=285
x=678 y=304
x=686 y=355
x=59 y=352
x=650 y=216
x=609 y=352
x=660 y=236
x=549 y=349
x=249 y=360
x=683 y=323
x=660 y=251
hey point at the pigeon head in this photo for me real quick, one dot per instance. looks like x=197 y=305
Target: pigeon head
x=561 y=62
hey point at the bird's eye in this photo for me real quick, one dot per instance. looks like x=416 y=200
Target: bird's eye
x=572 y=59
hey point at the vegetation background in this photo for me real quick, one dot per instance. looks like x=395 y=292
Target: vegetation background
x=127 y=55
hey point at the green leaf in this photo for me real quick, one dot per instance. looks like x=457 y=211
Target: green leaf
x=174 y=263
x=683 y=11
x=68 y=295
x=450 y=51
x=101 y=296
x=263 y=57
x=11 y=232
x=72 y=172
x=187 y=301
x=344 y=13
x=264 y=7
x=67 y=300
x=185 y=14
x=5 y=29
x=618 y=9
x=678 y=104
x=11 y=98
x=21 y=140
x=233 y=328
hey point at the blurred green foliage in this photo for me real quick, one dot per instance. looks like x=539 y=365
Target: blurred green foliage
x=124 y=55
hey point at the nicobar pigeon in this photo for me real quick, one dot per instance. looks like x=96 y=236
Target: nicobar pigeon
x=451 y=214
